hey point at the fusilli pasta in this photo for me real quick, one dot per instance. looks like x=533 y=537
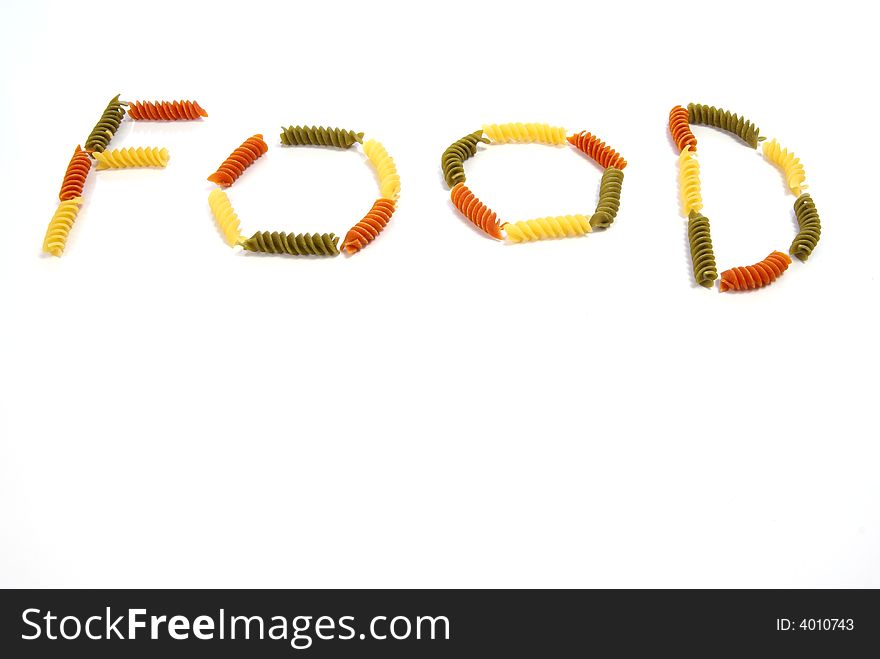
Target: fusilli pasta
x=788 y=163
x=76 y=174
x=810 y=229
x=59 y=226
x=476 y=211
x=680 y=129
x=761 y=274
x=544 y=228
x=389 y=180
x=452 y=160
x=320 y=136
x=702 y=254
x=596 y=149
x=150 y=156
x=239 y=160
x=525 y=133
x=727 y=121
x=107 y=125
x=609 y=198
x=365 y=231
x=689 y=182
x=301 y=244
x=165 y=110
x=225 y=217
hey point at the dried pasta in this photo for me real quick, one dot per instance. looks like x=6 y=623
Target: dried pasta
x=225 y=217
x=320 y=136
x=389 y=180
x=596 y=149
x=150 y=156
x=165 y=110
x=301 y=244
x=755 y=276
x=689 y=182
x=525 y=133
x=810 y=229
x=680 y=129
x=452 y=160
x=239 y=160
x=725 y=120
x=702 y=254
x=609 y=198
x=790 y=165
x=75 y=176
x=59 y=226
x=476 y=211
x=365 y=231
x=545 y=228
x=107 y=125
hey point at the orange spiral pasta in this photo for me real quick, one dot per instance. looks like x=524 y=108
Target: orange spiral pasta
x=597 y=150
x=166 y=110
x=755 y=276
x=239 y=160
x=365 y=231
x=476 y=211
x=75 y=177
x=680 y=129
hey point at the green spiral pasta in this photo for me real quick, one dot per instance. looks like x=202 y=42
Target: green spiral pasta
x=702 y=254
x=810 y=228
x=300 y=244
x=107 y=125
x=320 y=136
x=452 y=160
x=721 y=118
x=609 y=198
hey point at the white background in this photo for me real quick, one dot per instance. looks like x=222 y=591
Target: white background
x=440 y=409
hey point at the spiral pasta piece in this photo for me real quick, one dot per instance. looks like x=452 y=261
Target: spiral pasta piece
x=597 y=150
x=702 y=254
x=525 y=133
x=368 y=229
x=239 y=160
x=725 y=120
x=107 y=125
x=810 y=229
x=75 y=176
x=689 y=182
x=680 y=129
x=476 y=211
x=545 y=228
x=386 y=170
x=150 y=156
x=165 y=110
x=301 y=244
x=59 y=226
x=755 y=276
x=609 y=198
x=320 y=136
x=790 y=165
x=225 y=217
x=452 y=160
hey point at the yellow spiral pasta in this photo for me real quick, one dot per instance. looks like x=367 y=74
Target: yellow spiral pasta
x=150 y=156
x=525 y=133
x=689 y=182
x=225 y=216
x=545 y=228
x=389 y=181
x=790 y=165
x=60 y=225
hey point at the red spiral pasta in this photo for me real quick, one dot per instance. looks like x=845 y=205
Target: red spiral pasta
x=239 y=160
x=166 y=110
x=476 y=211
x=75 y=177
x=755 y=276
x=597 y=150
x=365 y=231
x=680 y=129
